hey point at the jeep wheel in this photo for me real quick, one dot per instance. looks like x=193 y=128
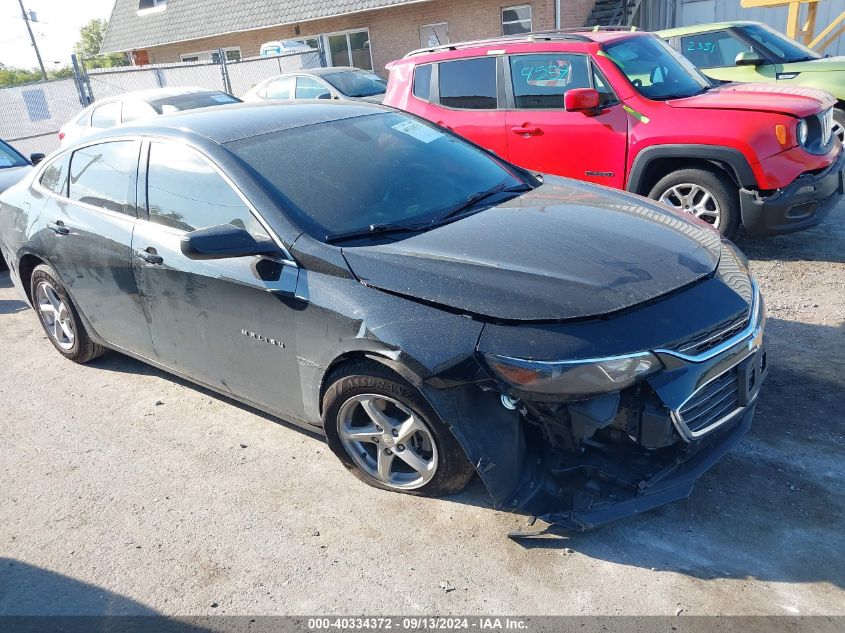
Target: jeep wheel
x=839 y=124
x=706 y=194
x=385 y=432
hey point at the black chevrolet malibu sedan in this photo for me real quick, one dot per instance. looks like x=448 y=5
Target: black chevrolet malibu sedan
x=435 y=311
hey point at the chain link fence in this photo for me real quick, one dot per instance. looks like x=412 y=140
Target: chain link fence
x=31 y=115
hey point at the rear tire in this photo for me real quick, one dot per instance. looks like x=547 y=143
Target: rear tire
x=385 y=432
x=708 y=194
x=59 y=317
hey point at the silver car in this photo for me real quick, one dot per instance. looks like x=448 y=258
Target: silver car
x=339 y=82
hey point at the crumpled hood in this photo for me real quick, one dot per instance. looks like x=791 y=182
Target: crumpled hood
x=563 y=251
x=792 y=100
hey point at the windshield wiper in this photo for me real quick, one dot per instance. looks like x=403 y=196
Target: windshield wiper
x=373 y=229
x=476 y=198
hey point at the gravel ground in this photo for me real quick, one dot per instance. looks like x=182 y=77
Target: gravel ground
x=127 y=491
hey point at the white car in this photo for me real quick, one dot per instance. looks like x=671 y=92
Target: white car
x=283 y=47
x=337 y=82
x=134 y=106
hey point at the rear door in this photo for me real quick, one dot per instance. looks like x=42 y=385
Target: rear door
x=543 y=136
x=91 y=216
x=467 y=100
x=230 y=322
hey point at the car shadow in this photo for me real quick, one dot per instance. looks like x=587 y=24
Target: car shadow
x=11 y=306
x=34 y=599
x=120 y=363
x=821 y=243
x=774 y=507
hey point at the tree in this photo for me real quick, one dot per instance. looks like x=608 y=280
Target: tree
x=91 y=40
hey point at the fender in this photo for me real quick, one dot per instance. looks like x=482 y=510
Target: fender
x=733 y=158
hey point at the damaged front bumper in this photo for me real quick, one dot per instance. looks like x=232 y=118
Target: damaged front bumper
x=581 y=463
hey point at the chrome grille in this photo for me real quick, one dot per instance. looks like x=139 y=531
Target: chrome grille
x=712 y=402
x=705 y=340
x=826 y=121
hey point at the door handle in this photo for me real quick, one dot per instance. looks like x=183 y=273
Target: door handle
x=443 y=124
x=527 y=130
x=150 y=256
x=58 y=227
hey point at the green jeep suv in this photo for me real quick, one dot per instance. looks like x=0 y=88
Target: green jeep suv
x=753 y=52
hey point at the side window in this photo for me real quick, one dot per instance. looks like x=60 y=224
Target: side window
x=279 y=89
x=541 y=81
x=422 y=82
x=308 y=88
x=104 y=175
x=106 y=115
x=469 y=83
x=54 y=177
x=712 y=50
x=134 y=110
x=185 y=192
x=85 y=119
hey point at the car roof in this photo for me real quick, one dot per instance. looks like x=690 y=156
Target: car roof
x=152 y=94
x=227 y=123
x=574 y=39
x=702 y=28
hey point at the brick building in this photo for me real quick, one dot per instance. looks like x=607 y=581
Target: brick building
x=363 y=33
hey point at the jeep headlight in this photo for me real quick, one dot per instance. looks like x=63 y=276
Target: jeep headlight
x=802 y=131
x=576 y=377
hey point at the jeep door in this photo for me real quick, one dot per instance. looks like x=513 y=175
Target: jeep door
x=543 y=136
x=228 y=323
x=90 y=216
x=467 y=99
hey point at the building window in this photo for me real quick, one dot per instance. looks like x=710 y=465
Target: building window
x=349 y=48
x=516 y=19
x=148 y=6
x=233 y=54
x=434 y=35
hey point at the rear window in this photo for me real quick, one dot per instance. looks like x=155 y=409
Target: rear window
x=177 y=103
x=469 y=84
x=106 y=115
x=422 y=82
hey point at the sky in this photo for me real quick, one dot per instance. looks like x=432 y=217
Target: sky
x=56 y=31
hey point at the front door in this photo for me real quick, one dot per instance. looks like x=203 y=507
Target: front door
x=90 y=227
x=543 y=136
x=228 y=323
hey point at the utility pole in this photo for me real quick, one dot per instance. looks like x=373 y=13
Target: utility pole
x=32 y=37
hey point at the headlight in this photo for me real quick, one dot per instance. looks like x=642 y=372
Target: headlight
x=579 y=377
x=801 y=132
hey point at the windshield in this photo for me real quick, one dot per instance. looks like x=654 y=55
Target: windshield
x=10 y=158
x=357 y=83
x=190 y=101
x=373 y=170
x=656 y=70
x=785 y=49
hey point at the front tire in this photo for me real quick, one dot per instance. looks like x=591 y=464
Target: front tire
x=385 y=432
x=59 y=317
x=708 y=194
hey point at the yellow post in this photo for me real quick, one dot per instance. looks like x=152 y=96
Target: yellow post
x=792 y=20
x=809 y=26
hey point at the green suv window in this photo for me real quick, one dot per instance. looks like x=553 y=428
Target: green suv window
x=714 y=49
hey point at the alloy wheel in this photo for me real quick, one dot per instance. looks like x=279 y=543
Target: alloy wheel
x=694 y=199
x=839 y=131
x=55 y=315
x=387 y=441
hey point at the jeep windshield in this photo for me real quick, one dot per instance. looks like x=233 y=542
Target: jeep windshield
x=785 y=49
x=655 y=70
x=370 y=175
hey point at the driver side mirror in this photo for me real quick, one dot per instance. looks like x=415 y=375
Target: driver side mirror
x=580 y=99
x=224 y=241
x=36 y=157
x=748 y=58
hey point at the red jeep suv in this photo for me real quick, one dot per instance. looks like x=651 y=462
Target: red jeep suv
x=622 y=109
